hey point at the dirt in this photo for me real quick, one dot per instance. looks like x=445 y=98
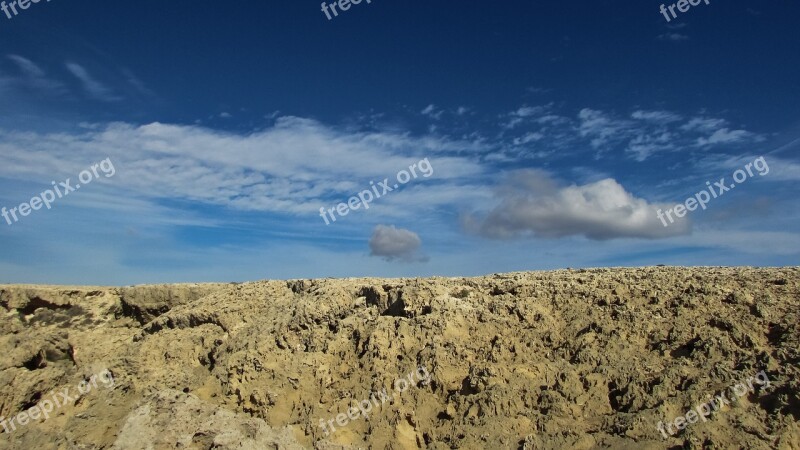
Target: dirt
x=577 y=359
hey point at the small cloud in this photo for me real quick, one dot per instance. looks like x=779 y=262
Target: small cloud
x=656 y=116
x=391 y=243
x=600 y=127
x=726 y=136
x=644 y=145
x=27 y=66
x=673 y=37
x=552 y=119
x=33 y=77
x=537 y=90
x=462 y=110
x=137 y=84
x=225 y=115
x=432 y=112
x=94 y=88
x=529 y=137
x=706 y=124
x=526 y=113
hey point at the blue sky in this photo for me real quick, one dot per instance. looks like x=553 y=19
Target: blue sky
x=554 y=132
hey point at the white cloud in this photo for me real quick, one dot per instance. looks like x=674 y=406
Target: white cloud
x=779 y=169
x=726 y=136
x=529 y=137
x=31 y=77
x=645 y=145
x=432 y=112
x=526 y=114
x=528 y=111
x=704 y=124
x=137 y=84
x=600 y=127
x=294 y=167
x=643 y=134
x=533 y=204
x=94 y=88
x=662 y=117
x=673 y=37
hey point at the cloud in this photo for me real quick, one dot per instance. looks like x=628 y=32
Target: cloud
x=641 y=134
x=673 y=37
x=601 y=128
x=654 y=132
x=662 y=117
x=677 y=26
x=293 y=167
x=395 y=244
x=537 y=90
x=526 y=114
x=780 y=169
x=717 y=131
x=726 y=136
x=529 y=137
x=27 y=66
x=432 y=112
x=137 y=84
x=528 y=111
x=645 y=145
x=705 y=124
x=31 y=77
x=94 y=88
x=533 y=204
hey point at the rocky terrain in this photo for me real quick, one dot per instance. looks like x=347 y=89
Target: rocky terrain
x=577 y=359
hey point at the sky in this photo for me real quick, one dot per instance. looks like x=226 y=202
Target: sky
x=252 y=140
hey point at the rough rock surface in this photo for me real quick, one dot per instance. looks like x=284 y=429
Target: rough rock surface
x=544 y=360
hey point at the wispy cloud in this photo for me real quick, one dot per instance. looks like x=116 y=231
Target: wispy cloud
x=727 y=136
x=642 y=134
x=291 y=167
x=673 y=37
x=92 y=87
x=602 y=128
x=656 y=116
x=137 y=84
x=432 y=112
x=31 y=77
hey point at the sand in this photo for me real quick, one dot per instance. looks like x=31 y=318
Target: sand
x=542 y=360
